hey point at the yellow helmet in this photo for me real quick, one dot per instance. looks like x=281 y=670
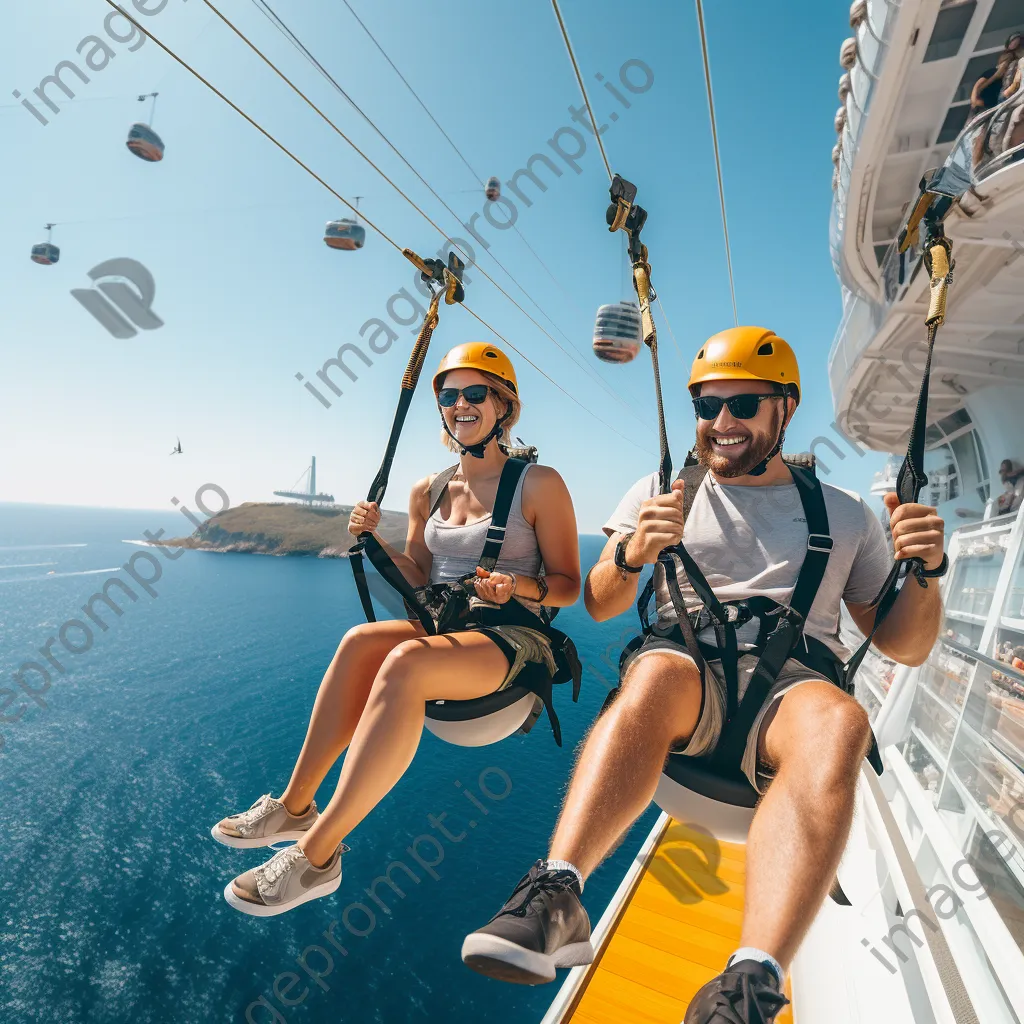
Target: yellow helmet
x=746 y=353
x=477 y=355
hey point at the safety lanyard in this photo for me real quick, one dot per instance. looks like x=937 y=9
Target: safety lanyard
x=441 y=280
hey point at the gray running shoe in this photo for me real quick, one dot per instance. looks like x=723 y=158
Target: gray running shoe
x=286 y=881
x=542 y=926
x=268 y=821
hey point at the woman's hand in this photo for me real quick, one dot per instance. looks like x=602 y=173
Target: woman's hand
x=495 y=587
x=365 y=518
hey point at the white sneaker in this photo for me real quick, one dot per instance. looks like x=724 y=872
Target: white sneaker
x=268 y=821
x=286 y=881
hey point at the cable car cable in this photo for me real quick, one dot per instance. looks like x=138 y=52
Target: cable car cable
x=451 y=143
x=718 y=159
x=380 y=231
x=583 y=365
x=583 y=88
x=278 y=22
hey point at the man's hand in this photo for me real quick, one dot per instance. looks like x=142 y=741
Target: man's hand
x=917 y=531
x=364 y=518
x=659 y=525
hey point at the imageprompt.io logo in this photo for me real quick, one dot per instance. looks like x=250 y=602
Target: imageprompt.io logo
x=122 y=308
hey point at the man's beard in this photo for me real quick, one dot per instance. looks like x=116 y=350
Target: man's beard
x=723 y=466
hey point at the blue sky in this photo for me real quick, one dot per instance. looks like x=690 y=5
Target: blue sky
x=231 y=230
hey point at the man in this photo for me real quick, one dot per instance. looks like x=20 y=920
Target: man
x=745 y=529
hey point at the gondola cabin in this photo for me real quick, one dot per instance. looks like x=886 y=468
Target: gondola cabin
x=493 y=188
x=145 y=143
x=344 y=234
x=45 y=253
x=617 y=332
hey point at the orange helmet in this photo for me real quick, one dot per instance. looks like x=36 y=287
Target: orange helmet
x=746 y=353
x=477 y=355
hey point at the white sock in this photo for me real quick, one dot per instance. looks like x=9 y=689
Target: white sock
x=753 y=953
x=564 y=865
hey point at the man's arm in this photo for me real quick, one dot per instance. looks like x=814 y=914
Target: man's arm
x=912 y=626
x=609 y=591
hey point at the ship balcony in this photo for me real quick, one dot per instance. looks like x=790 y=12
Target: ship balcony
x=877 y=357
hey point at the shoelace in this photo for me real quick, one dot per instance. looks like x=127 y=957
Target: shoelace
x=280 y=863
x=744 y=999
x=537 y=882
x=251 y=816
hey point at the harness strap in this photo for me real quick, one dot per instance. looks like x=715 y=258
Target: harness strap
x=787 y=633
x=511 y=473
x=439 y=487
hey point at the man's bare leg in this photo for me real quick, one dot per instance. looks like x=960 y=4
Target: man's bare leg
x=618 y=770
x=817 y=738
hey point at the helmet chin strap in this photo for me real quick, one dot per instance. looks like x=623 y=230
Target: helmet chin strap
x=477 y=450
x=762 y=466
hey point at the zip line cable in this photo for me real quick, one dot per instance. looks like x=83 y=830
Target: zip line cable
x=583 y=88
x=241 y=35
x=718 y=159
x=458 y=152
x=380 y=231
x=604 y=156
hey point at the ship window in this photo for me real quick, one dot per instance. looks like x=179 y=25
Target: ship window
x=880 y=251
x=956 y=118
x=1006 y=16
x=948 y=34
x=954 y=421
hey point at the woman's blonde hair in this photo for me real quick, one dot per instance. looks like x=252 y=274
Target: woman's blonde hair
x=512 y=405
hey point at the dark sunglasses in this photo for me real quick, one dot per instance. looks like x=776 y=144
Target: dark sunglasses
x=475 y=394
x=742 y=407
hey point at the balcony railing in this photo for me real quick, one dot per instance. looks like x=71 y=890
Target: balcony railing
x=976 y=155
x=856 y=92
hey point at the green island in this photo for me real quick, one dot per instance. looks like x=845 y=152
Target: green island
x=279 y=528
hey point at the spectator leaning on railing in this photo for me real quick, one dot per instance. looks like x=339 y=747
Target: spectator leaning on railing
x=1008 y=68
x=984 y=96
x=1012 y=477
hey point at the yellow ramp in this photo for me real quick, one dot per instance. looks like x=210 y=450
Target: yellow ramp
x=673 y=934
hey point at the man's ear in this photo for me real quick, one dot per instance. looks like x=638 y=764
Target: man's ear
x=790 y=411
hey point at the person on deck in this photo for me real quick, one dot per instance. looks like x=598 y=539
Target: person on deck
x=372 y=698
x=748 y=532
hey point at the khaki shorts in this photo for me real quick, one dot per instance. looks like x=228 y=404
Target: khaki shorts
x=713 y=703
x=521 y=645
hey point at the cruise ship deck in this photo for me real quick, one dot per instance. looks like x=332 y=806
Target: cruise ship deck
x=670 y=929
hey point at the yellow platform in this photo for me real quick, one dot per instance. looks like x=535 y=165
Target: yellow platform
x=673 y=934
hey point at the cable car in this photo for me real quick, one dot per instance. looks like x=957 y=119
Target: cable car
x=493 y=188
x=46 y=253
x=346 y=233
x=617 y=332
x=142 y=140
x=145 y=143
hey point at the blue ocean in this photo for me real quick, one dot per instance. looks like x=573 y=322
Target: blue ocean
x=146 y=727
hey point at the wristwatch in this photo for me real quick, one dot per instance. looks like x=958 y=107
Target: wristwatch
x=931 y=574
x=542 y=586
x=620 y=557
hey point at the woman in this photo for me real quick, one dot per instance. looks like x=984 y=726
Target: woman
x=372 y=697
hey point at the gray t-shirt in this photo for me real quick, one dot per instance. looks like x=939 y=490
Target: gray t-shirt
x=752 y=540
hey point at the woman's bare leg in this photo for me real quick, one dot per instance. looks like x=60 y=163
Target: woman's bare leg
x=340 y=701
x=453 y=667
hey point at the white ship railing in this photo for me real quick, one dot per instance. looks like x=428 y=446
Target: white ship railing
x=872 y=46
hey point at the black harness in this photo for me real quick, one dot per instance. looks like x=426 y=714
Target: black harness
x=780 y=637
x=452 y=607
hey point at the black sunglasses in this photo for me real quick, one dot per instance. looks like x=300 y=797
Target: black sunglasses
x=742 y=407
x=475 y=394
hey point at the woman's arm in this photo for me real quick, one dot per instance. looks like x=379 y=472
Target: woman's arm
x=415 y=562
x=547 y=506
